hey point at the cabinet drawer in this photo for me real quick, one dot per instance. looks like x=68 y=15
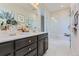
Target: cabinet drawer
x=32 y=39
x=6 y=48
x=24 y=42
x=25 y=50
x=20 y=43
x=21 y=52
x=32 y=53
x=32 y=46
x=9 y=54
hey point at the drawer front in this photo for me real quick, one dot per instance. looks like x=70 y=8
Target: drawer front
x=32 y=53
x=32 y=46
x=9 y=54
x=21 y=52
x=6 y=48
x=24 y=42
x=32 y=39
x=20 y=43
x=42 y=36
x=25 y=50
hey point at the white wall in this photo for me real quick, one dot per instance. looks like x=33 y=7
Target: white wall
x=57 y=26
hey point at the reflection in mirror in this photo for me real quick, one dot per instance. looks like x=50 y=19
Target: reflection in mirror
x=23 y=20
x=6 y=19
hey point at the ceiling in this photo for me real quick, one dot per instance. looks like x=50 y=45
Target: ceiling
x=52 y=7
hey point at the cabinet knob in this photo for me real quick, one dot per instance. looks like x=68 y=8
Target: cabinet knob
x=30 y=41
x=30 y=49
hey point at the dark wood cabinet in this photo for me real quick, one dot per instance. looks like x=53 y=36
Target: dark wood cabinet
x=45 y=44
x=21 y=52
x=6 y=49
x=25 y=42
x=42 y=44
x=32 y=53
x=30 y=46
x=40 y=47
x=8 y=54
x=25 y=49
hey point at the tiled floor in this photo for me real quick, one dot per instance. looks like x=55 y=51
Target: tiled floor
x=58 y=48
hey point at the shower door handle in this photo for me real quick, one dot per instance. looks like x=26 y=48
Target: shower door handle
x=68 y=35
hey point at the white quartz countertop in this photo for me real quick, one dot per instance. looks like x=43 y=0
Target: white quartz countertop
x=4 y=37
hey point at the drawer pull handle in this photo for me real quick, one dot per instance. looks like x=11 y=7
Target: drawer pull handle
x=30 y=41
x=30 y=49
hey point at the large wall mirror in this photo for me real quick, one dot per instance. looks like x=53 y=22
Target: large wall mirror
x=19 y=14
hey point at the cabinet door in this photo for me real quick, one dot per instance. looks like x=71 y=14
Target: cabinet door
x=40 y=47
x=32 y=53
x=45 y=44
x=9 y=54
x=6 y=48
x=22 y=51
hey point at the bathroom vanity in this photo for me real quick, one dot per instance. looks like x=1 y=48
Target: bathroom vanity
x=25 y=44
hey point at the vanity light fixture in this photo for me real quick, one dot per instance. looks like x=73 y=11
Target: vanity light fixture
x=53 y=18
x=35 y=5
x=61 y=6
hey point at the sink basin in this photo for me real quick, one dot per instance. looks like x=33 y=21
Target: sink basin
x=14 y=34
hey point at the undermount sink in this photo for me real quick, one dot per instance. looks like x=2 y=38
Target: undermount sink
x=14 y=34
